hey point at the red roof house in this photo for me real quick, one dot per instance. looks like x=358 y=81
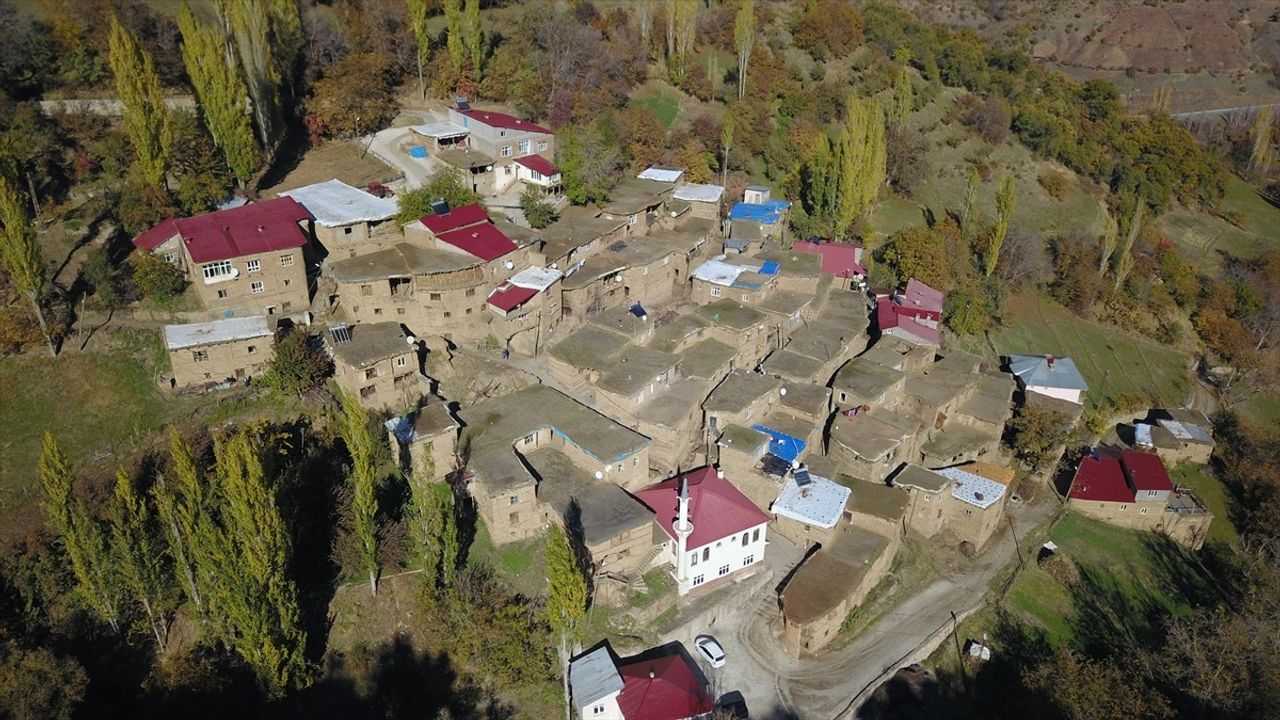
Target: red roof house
x=717 y=509
x=920 y=300
x=838 y=259
x=1146 y=471
x=250 y=229
x=662 y=688
x=458 y=217
x=483 y=240
x=892 y=322
x=509 y=297
x=539 y=164
x=502 y=120
x=1101 y=478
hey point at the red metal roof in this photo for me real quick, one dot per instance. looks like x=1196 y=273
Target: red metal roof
x=539 y=164
x=157 y=235
x=716 y=508
x=456 y=218
x=1146 y=471
x=509 y=297
x=1101 y=479
x=246 y=230
x=888 y=317
x=839 y=259
x=503 y=120
x=664 y=688
x=483 y=240
x=922 y=297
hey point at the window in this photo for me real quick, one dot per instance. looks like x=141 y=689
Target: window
x=286 y=260
x=448 y=314
x=253 y=349
x=1122 y=507
x=371 y=373
x=399 y=311
x=513 y=518
x=377 y=311
x=286 y=305
x=199 y=355
x=170 y=258
x=706 y=554
x=513 y=500
x=1143 y=511
x=222 y=294
x=471 y=292
x=746 y=297
x=745 y=540
x=400 y=361
x=528 y=439
x=542 y=146
x=535 y=174
x=724 y=570
x=366 y=290
x=215 y=270
x=632 y=220
x=287 y=281
x=368 y=391
x=597 y=709
x=697 y=579
x=253 y=265
x=346 y=230
x=506 y=169
x=666 y=260
x=468 y=311
x=693 y=559
x=433 y=296
x=506 y=151
x=715 y=292
x=748 y=560
x=524 y=147
x=755 y=536
x=257 y=287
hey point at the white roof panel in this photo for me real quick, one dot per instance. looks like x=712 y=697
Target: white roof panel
x=697 y=192
x=440 y=130
x=719 y=272
x=666 y=175
x=335 y=203
x=177 y=337
x=1142 y=435
x=819 y=503
x=973 y=489
x=536 y=278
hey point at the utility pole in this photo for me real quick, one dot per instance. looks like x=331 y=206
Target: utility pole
x=1016 y=545
x=955 y=626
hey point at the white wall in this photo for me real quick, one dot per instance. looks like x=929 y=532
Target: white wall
x=1068 y=395
x=606 y=708
x=727 y=551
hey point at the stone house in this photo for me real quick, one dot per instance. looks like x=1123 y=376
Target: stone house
x=974 y=509
x=1054 y=377
x=1178 y=435
x=247 y=260
x=425 y=441
x=638 y=202
x=377 y=363
x=738 y=278
x=809 y=508
x=757 y=219
x=578 y=234
x=740 y=450
x=703 y=200
x=212 y=352
x=1133 y=490
x=841 y=261
x=743 y=398
x=347 y=220
x=525 y=309
x=714 y=533
x=468 y=231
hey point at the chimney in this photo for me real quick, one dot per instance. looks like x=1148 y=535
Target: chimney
x=652 y=675
x=1049 y=361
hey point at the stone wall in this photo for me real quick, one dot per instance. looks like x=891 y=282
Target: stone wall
x=219 y=361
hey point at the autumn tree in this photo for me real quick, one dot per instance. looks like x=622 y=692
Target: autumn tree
x=221 y=94
x=446 y=183
x=139 y=564
x=920 y=253
x=1004 y=212
x=1110 y=237
x=1075 y=687
x=298 y=364
x=82 y=537
x=1034 y=433
x=566 y=598
x=145 y=115
x=744 y=39
x=20 y=256
x=1124 y=261
x=353 y=98
x=155 y=279
x=364 y=477
x=416 y=14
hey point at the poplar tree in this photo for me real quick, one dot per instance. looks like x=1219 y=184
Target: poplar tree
x=435 y=532
x=566 y=599
x=360 y=444
x=82 y=537
x=256 y=601
x=474 y=38
x=416 y=13
x=139 y=563
x=903 y=99
x=1004 y=211
x=1110 y=236
x=726 y=142
x=969 y=211
x=1124 y=263
x=20 y=256
x=860 y=163
x=146 y=117
x=287 y=39
x=249 y=26
x=454 y=34
x=644 y=18
x=744 y=39
x=180 y=506
x=671 y=13
x=221 y=93
x=1263 y=132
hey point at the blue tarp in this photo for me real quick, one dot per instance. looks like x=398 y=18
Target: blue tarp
x=417 y=151
x=638 y=311
x=770 y=267
x=767 y=213
x=781 y=444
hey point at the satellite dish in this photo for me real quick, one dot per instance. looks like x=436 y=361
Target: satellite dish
x=783 y=391
x=599 y=475
x=509 y=265
x=410 y=339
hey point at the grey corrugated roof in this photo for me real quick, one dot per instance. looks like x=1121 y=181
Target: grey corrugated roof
x=1034 y=370
x=177 y=337
x=594 y=676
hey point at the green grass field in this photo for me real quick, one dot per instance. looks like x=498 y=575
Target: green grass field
x=1205 y=238
x=1211 y=492
x=522 y=565
x=662 y=100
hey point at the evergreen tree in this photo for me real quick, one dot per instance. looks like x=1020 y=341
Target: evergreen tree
x=139 y=563
x=454 y=34
x=566 y=598
x=221 y=93
x=82 y=536
x=1004 y=211
x=180 y=506
x=474 y=37
x=360 y=444
x=744 y=39
x=416 y=13
x=146 y=117
x=20 y=256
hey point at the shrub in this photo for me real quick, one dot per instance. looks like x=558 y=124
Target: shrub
x=299 y=364
x=989 y=118
x=1061 y=569
x=1034 y=433
x=537 y=211
x=1055 y=183
x=156 y=279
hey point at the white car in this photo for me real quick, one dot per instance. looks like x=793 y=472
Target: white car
x=710 y=650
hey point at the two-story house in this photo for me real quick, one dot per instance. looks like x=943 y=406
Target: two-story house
x=505 y=138
x=247 y=260
x=347 y=219
x=378 y=363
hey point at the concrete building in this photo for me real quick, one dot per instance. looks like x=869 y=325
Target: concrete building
x=1133 y=490
x=840 y=261
x=425 y=441
x=502 y=139
x=912 y=313
x=247 y=260
x=715 y=534
x=377 y=363
x=1054 y=377
x=213 y=352
x=347 y=220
